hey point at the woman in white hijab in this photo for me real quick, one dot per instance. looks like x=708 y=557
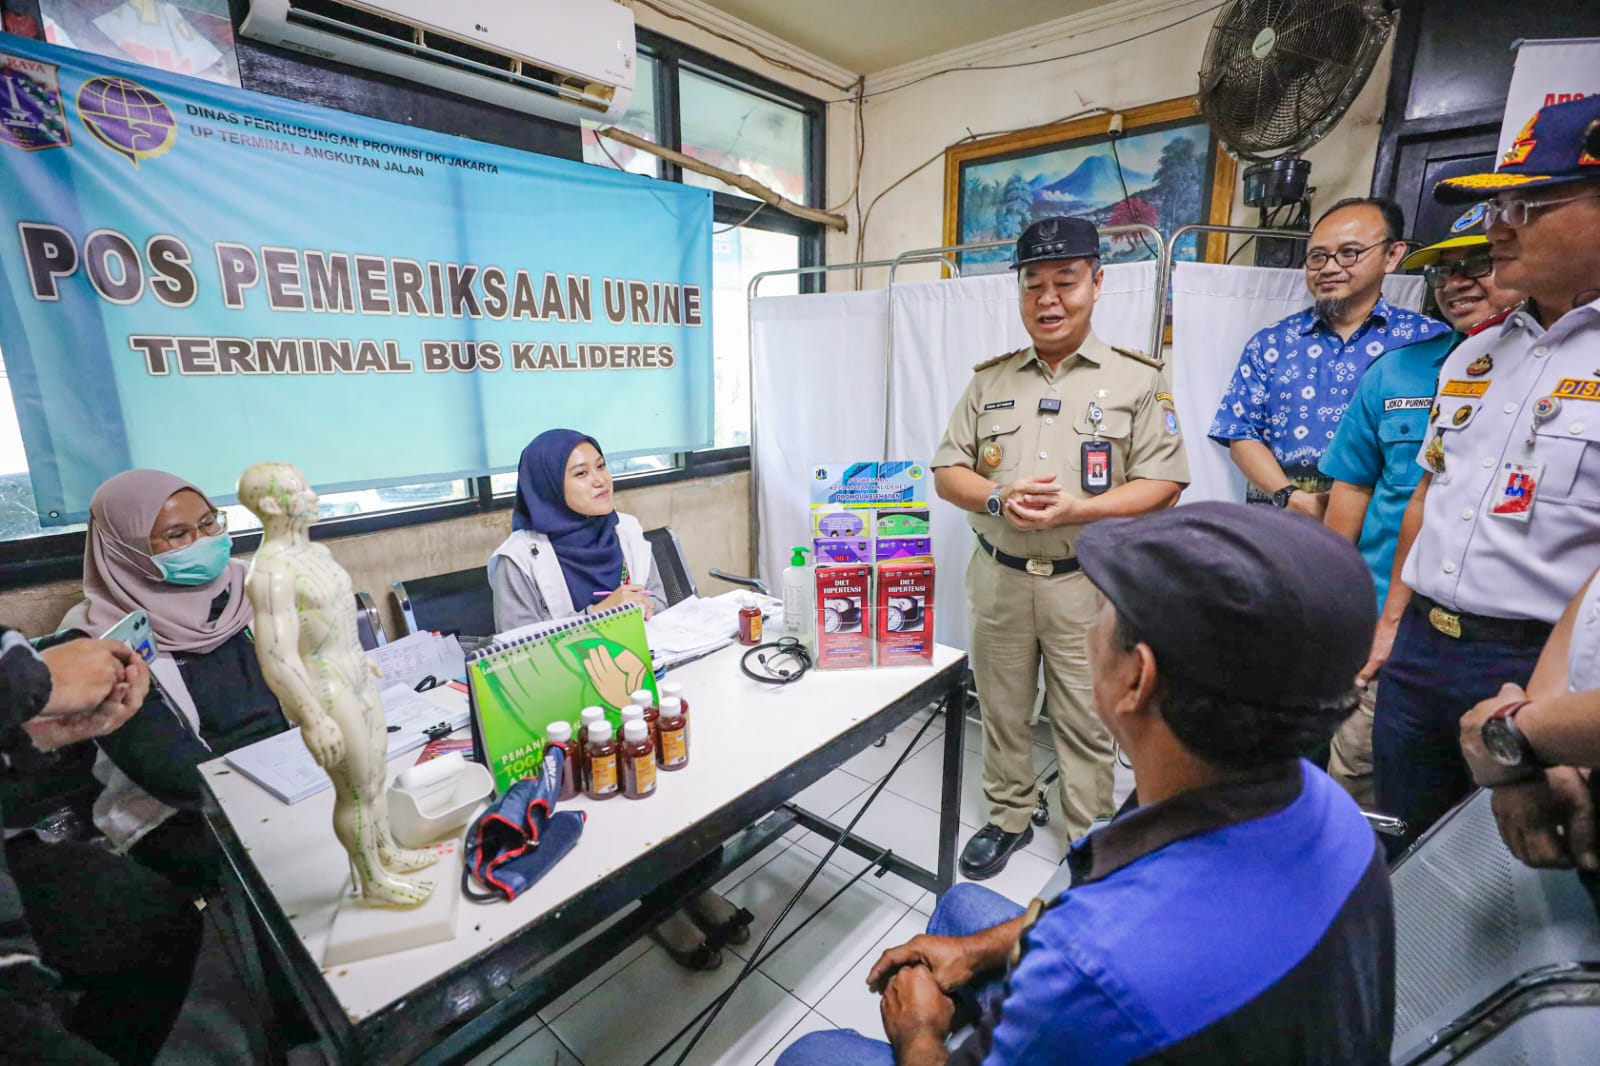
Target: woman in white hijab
x=157 y=544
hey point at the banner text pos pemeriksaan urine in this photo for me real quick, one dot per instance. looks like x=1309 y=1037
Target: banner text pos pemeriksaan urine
x=194 y=277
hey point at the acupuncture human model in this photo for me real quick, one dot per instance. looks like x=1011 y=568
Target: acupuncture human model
x=311 y=657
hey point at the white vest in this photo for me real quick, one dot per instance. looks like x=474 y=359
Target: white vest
x=531 y=553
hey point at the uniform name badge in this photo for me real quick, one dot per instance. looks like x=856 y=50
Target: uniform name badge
x=1517 y=487
x=1096 y=466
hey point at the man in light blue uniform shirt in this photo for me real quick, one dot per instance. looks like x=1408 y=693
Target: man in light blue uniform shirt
x=1297 y=376
x=1373 y=457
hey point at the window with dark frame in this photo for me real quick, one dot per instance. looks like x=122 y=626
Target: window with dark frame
x=734 y=119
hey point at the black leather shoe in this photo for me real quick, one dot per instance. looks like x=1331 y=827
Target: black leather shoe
x=990 y=848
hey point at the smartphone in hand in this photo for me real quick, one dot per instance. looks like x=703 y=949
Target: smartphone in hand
x=134 y=631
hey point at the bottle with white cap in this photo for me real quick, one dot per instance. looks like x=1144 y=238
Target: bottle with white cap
x=603 y=752
x=638 y=759
x=652 y=716
x=589 y=717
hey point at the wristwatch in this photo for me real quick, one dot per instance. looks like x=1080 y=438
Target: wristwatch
x=1505 y=743
x=1281 y=497
x=993 y=503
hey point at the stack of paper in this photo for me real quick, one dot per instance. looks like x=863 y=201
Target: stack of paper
x=695 y=627
x=284 y=767
x=410 y=659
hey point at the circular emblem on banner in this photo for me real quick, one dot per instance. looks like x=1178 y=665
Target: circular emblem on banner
x=1463 y=413
x=992 y=454
x=127 y=118
x=1480 y=366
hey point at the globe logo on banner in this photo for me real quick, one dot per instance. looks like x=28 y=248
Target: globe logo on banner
x=127 y=118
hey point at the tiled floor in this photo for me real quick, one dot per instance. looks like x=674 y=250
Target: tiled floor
x=626 y=1011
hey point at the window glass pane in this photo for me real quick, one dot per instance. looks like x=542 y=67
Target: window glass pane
x=366 y=501
x=504 y=484
x=744 y=133
x=194 y=37
x=639 y=121
x=737 y=256
x=19 y=517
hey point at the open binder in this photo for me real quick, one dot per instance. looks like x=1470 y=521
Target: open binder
x=549 y=672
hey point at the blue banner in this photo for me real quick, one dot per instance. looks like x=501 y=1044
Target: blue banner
x=197 y=278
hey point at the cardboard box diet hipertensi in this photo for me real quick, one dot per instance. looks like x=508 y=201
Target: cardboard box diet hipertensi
x=844 y=628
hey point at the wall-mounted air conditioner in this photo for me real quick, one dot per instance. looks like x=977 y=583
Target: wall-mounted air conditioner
x=562 y=59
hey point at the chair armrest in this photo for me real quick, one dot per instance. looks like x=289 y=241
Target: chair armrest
x=738 y=579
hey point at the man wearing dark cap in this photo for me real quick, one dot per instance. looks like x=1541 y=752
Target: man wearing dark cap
x=1242 y=912
x=1045 y=441
x=1504 y=527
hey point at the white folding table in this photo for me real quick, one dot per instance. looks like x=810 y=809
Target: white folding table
x=754 y=747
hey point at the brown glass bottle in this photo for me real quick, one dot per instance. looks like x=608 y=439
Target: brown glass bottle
x=674 y=734
x=652 y=717
x=590 y=716
x=559 y=735
x=675 y=688
x=638 y=758
x=603 y=758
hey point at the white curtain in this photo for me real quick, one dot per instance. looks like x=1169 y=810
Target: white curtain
x=1215 y=310
x=943 y=328
x=817 y=384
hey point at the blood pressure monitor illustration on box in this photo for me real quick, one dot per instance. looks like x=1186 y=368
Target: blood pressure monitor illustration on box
x=841 y=615
x=905 y=613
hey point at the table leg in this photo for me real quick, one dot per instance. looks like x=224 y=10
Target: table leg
x=955 y=716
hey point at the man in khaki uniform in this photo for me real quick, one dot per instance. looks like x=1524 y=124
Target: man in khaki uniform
x=1044 y=441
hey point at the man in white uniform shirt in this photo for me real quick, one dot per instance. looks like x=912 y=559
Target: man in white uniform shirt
x=1504 y=527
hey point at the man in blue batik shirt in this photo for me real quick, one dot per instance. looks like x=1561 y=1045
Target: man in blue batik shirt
x=1296 y=377
x=1373 y=457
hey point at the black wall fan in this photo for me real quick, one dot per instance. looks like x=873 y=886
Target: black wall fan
x=1278 y=75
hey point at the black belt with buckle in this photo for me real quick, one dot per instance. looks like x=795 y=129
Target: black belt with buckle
x=1480 y=628
x=1036 y=567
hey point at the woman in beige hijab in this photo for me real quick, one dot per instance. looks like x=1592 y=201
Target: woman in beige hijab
x=157 y=544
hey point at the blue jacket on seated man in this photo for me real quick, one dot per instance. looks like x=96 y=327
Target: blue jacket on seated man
x=1241 y=912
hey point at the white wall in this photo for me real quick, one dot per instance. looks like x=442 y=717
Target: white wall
x=906 y=127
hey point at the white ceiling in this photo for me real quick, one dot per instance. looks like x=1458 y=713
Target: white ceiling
x=872 y=35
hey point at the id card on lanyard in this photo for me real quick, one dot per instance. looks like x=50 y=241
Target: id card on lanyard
x=1517 y=486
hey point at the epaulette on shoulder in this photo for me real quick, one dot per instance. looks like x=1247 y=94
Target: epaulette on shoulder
x=1486 y=323
x=1138 y=356
x=997 y=360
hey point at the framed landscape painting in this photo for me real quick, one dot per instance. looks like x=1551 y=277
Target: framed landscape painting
x=1166 y=171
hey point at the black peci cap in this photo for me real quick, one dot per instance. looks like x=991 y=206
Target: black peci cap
x=1239 y=600
x=1061 y=237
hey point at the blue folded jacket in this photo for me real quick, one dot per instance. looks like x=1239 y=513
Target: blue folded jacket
x=519 y=837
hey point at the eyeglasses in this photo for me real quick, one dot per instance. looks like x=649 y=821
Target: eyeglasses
x=183 y=536
x=1515 y=213
x=1480 y=265
x=1316 y=259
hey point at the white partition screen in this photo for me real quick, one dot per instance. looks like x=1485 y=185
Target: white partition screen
x=817 y=383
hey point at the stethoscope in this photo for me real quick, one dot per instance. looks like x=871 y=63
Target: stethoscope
x=777 y=663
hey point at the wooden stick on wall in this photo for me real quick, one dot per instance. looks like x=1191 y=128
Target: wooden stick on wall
x=738 y=181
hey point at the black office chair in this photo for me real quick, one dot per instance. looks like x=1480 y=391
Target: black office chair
x=459 y=604
x=1494 y=962
x=667 y=552
x=369 y=627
